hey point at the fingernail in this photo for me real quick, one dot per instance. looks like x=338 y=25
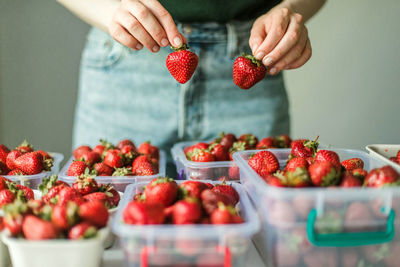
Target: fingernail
x=155 y=48
x=259 y=55
x=139 y=46
x=267 y=61
x=254 y=48
x=164 y=42
x=272 y=71
x=177 y=41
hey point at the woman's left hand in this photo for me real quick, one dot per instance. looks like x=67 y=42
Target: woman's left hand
x=280 y=39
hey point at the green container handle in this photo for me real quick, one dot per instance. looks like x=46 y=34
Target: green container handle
x=349 y=239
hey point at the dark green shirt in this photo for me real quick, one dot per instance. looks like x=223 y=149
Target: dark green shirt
x=217 y=10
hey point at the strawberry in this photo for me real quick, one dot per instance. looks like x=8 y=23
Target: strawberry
x=237 y=146
x=219 y=152
x=274 y=180
x=226 y=140
x=384 y=176
x=359 y=173
x=112 y=194
x=69 y=194
x=210 y=200
x=128 y=151
x=323 y=174
x=28 y=193
x=228 y=190
x=193 y=188
x=394 y=159
x=50 y=182
x=3 y=153
x=358 y=217
x=303 y=204
x=268 y=142
x=6 y=197
x=283 y=141
x=398 y=156
x=224 y=215
x=250 y=139
x=354 y=163
x=102 y=169
x=349 y=180
x=99 y=149
x=186 y=211
x=247 y=71
x=264 y=163
x=94 y=212
x=143 y=169
x=147 y=149
x=295 y=163
x=90 y=157
x=80 y=150
x=201 y=155
x=3 y=168
x=85 y=184
x=125 y=142
x=330 y=156
x=35 y=228
x=64 y=216
x=33 y=163
x=304 y=148
x=44 y=154
x=3 y=184
x=14 y=216
x=83 y=230
x=234 y=172
x=143 y=213
x=189 y=149
x=52 y=193
x=25 y=147
x=298 y=178
x=77 y=168
x=11 y=157
x=161 y=190
x=182 y=63
x=114 y=158
x=126 y=171
x=16 y=172
x=99 y=196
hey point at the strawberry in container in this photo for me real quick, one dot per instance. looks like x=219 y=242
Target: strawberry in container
x=329 y=201
x=118 y=165
x=213 y=160
x=186 y=221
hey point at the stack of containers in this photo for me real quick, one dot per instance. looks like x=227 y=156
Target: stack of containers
x=186 y=245
x=118 y=182
x=385 y=152
x=324 y=226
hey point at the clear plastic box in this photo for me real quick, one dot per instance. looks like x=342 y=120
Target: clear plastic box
x=193 y=245
x=33 y=181
x=324 y=226
x=202 y=170
x=384 y=152
x=118 y=182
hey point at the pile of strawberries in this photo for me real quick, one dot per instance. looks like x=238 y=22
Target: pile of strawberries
x=24 y=160
x=125 y=159
x=308 y=166
x=164 y=202
x=75 y=212
x=10 y=191
x=397 y=158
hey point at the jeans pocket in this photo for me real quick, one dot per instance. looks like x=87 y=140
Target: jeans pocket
x=101 y=50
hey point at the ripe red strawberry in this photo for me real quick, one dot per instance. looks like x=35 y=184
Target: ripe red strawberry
x=161 y=190
x=99 y=149
x=247 y=71
x=77 y=168
x=25 y=147
x=125 y=142
x=330 y=156
x=16 y=172
x=3 y=184
x=384 y=176
x=398 y=156
x=90 y=157
x=268 y=142
x=94 y=212
x=80 y=150
x=28 y=193
x=219 y=152
x=3 y=168
x=186 y=211
x=64 y=216
x=50 y=182
x=237 y=146
x=283 y=141
x=193 y=188
x=85 y=184
x=11 y=157
x=226 y=140
x=210 y=200
x=147 y=149
x=264 y=163
x=99 y=196
x=323 y=173
x=224 y=215
x=304 y=148
x=359 y=173
x=6 y=197
x=33 y=163
x=112 y=194
x=394 y=159
x=354 y=163
x=3 y=153
x=143 y=213
x=189 y=149
x=103 y=169
x=69 y=194
x=250 y=139
x=35 y=228
x=349 y=180
x=44 y=154
x=201 y=155
x=182 y=63
x=228 y=190
x=234 y=172
x=13 y=223
x=144 y=169
x=129 y=151
x=83 y=230
x=295 y=163
x=274 y=181
x=114 y=158
x=52 y=193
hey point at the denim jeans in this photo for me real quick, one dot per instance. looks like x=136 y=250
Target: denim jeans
x=130 y=94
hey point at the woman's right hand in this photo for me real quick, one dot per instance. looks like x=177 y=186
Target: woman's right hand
x=144 y=23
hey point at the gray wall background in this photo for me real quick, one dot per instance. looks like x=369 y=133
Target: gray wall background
x=348 y=93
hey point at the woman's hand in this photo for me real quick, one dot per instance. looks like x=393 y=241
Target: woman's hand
x=144 y=23
x=280 y=39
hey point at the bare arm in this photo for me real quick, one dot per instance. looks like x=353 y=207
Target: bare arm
x=307 y=8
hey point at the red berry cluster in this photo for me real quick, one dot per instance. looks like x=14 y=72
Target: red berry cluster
x=24 y=160
x=10 y=191
x=396 y=159
x=308 y=166
x=125 y=159
x=164 y=202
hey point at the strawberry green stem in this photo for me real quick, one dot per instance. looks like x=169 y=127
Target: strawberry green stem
x=180 y=48
x=252 y=59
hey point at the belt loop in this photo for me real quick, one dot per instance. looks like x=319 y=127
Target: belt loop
x=232 y=40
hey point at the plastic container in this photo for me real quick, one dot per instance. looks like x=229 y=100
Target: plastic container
x=60 y=253
x=118 y=182
x=194 y=245
x=384 y=152
x=324 y=226
x=202 y=170
x=32 y=181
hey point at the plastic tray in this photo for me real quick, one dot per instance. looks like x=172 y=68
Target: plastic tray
x=171 y=245
x=384 y=152
x=118 y=182
x=302 y=227
x=33 y=181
